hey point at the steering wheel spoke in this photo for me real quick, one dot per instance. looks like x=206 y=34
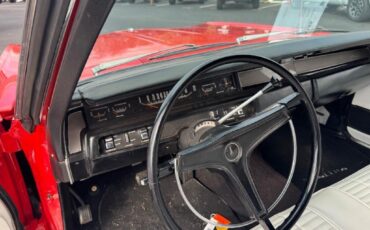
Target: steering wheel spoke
x=259 y=127
x=266 y=223
x=203 y=155
x=243 y=187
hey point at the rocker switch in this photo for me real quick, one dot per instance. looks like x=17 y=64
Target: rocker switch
x=144 y=134
x=109 y=144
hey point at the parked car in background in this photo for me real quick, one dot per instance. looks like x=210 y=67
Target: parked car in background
x=356 y=10
x=255 y=3
x=173 y=2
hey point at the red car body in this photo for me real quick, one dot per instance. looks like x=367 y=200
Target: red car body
x=109 y=47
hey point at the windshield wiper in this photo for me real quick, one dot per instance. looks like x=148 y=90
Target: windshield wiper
x=322 y=29
x=156 y=55
x=245 y=38
x=110 y=64
x=194 y=47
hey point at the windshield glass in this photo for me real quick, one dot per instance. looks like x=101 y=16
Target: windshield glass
x=139 y=32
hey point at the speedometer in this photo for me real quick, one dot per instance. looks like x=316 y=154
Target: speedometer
x=154 y=98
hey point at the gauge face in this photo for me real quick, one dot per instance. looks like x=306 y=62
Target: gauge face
x=205 y=125
x=100 y=114
x=153 y=99
x=225 y=85
x=209 y=88
x=120 y=109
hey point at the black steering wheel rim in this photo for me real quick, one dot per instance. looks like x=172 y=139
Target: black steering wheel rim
x=152 y=157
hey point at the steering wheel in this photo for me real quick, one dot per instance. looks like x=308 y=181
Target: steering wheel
x=228 y=148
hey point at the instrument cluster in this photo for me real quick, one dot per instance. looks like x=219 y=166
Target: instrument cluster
x=150 y=102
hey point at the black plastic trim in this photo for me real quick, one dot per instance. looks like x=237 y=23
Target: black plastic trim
x=44 y=24
x=88 y=22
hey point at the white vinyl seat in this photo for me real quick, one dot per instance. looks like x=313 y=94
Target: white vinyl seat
x=344 y=205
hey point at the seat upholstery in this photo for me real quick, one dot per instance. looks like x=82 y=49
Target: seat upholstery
x=344 y=205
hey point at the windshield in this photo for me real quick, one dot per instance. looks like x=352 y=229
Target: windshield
x=138 y=32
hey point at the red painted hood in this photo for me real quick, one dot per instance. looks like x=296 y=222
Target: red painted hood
x=133 y=43
x=9 y=61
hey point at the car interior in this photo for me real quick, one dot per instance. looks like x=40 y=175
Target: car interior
x=110 y=121
x=164 y=145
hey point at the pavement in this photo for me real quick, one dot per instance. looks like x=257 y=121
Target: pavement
x=186 y=13
x=11 y=23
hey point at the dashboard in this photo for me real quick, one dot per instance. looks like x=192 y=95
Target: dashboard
x=110 y=129
x=130 y=119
